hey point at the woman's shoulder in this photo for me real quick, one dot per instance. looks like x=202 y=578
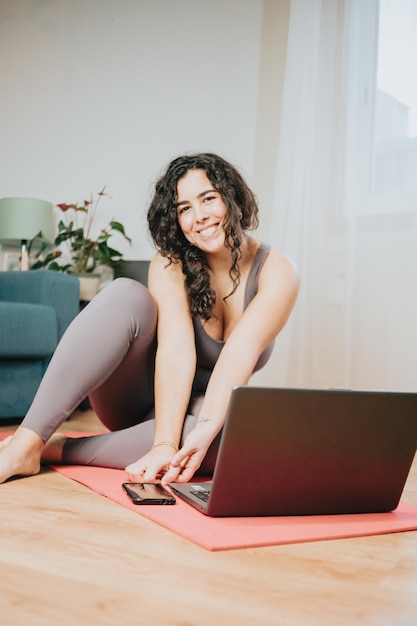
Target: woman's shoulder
x=274 y=256
x=161 y=263
x=277 y=264
x=164 y=273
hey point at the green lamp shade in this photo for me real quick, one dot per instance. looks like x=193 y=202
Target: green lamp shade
x=23 y=218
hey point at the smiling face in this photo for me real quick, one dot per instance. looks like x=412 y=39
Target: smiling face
x=201 y=211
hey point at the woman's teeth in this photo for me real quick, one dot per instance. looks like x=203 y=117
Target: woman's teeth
x=208 y=231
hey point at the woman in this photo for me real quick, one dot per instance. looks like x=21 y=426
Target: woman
x=159 y=364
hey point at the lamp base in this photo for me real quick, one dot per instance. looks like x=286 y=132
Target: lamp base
x=24 y=258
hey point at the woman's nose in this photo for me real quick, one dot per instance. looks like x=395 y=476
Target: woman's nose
x=200 y=213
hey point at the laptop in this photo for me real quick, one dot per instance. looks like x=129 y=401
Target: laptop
x=309 y=452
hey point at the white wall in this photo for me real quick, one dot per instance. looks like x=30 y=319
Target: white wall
x=101 y=92
x=106 y=92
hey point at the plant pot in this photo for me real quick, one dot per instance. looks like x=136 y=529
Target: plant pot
x=89 y=286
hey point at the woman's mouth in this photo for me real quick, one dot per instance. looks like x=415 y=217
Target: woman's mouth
x=208 y=231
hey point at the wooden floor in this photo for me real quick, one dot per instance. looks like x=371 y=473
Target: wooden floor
x=70 y=557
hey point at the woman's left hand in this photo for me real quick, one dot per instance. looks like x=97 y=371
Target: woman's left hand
x=149 y=467
x=189 y=458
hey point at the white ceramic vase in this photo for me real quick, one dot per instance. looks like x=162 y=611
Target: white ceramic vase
x=89 y=286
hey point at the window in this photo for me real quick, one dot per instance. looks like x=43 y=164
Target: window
x=382 y=107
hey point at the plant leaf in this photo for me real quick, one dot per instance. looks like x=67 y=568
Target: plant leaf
x=120 y=228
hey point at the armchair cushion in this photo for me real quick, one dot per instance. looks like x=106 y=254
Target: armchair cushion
x=35 y=309
x=60 y=291
x=27 y=330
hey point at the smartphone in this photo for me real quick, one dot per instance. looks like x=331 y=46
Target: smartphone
x=148 y=493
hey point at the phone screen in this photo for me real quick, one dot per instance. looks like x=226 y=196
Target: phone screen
x=148 y=493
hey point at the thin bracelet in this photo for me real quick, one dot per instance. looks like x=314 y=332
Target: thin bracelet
x=165 y=443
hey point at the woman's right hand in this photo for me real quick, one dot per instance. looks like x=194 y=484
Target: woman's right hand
x=186 y=462
x=152 y=465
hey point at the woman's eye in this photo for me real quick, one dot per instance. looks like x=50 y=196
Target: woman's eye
x=209 y=198
x=182 y=209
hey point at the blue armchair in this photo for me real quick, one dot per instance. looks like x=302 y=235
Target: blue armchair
x=35 y=309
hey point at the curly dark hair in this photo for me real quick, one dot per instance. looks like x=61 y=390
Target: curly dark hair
x=242 y=214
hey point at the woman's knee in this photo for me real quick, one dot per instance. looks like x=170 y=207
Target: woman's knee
x=127 y=286
x=130 y=293
x=125 y=297
x=137 y=300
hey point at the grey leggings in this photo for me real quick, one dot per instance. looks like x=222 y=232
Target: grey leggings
x=108 y=354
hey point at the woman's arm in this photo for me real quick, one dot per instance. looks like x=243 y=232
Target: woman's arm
x=260 y=323
x=174 y=366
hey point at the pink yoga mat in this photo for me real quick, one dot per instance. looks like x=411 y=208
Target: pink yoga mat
x=244 y=532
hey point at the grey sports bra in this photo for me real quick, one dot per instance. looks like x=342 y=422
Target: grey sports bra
x=207 y=348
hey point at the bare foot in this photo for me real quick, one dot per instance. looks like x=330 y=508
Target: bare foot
x=52 y=452
x=4 y=442
x=20 y=454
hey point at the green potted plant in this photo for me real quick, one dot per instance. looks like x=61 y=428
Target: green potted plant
x=74 y=250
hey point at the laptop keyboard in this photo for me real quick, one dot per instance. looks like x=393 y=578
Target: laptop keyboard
x=201 y=493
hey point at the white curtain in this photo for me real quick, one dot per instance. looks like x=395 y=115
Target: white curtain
x=355 y=321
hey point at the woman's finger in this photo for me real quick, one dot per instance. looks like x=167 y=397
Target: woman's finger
x=180 y=458
x=186 y=474
x=139 y=465
x=171 y=475
x=135 y=476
